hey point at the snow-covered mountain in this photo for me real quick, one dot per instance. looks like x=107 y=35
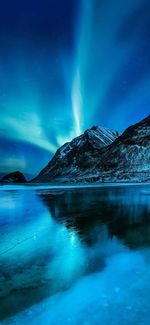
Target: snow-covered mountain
x=77 y=156
x=102 y=155
x=128 y=158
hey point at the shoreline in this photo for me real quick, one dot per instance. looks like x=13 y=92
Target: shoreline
x=70 y=186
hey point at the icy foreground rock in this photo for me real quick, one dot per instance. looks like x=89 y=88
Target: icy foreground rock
x=102 y=155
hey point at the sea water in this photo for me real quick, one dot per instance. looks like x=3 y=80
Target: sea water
x=75 y=255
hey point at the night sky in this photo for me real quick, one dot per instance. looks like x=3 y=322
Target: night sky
x=66 y=65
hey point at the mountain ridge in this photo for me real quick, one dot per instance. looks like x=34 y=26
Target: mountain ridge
x=72 y=153
x=92 y=157
x=98 y=155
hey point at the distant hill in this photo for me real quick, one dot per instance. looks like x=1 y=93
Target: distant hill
x=15 y=177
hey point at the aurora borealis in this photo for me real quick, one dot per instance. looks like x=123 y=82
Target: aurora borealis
x=64 y=66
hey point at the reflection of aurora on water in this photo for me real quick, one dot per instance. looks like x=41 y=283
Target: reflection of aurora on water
x=57 y=253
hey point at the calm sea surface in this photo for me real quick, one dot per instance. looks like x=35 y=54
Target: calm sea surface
x=75 y=255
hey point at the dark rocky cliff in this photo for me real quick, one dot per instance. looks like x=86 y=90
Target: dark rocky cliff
x=102 y=155
x=78 y=156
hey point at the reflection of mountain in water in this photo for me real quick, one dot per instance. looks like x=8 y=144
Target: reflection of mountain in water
x=124 y=210
x=45 y=253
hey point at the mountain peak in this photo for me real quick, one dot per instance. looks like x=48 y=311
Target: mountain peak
x=94 y=127
x=100 y=137
x=100 y=154
x=72 y=156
